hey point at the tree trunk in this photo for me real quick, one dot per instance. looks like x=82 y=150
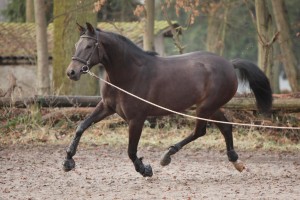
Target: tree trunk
x=216 y=30
x=65 y=36
x=276 y=70
x=43 y=74
x=149 y=26
x=265 y=33
x=286 y=46
x=212 y=39
x=263 y=19
x=29 y=11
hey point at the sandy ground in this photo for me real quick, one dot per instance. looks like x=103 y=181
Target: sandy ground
x=104 y=172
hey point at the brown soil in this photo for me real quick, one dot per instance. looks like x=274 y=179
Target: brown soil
x=104 y=172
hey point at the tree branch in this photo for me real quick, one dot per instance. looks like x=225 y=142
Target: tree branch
x=175 y=33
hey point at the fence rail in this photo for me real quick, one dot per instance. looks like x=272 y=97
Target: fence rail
x=237 y=103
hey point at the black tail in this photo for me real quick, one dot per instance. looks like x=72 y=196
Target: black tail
x=258 y=82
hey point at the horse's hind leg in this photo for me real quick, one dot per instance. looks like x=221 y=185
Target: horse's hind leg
x=199 y=131
x=100 y=112
x=226 y=130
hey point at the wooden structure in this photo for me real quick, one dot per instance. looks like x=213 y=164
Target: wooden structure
x=289 y=104
x=18 y=49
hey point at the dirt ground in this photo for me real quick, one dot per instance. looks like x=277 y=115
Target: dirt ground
x=104 y=172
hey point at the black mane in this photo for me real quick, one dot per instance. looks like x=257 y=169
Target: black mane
x=131 y=44
x=152 y=53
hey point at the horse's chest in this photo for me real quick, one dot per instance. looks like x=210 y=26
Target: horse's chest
x=123 y=104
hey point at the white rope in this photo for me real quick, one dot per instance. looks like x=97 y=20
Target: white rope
x=185 y=115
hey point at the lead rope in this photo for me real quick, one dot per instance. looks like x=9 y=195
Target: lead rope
x=186 y=115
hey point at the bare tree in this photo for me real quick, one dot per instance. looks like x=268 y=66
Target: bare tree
x=217 y=22
x=149 y=25
x=286 y=46
x=43 y=74
x=65 y=36
x=29 y=11
x=266 y=39
x=263 y=24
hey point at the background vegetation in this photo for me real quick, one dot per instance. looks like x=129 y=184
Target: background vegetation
x=56 y=126
x=241 y=36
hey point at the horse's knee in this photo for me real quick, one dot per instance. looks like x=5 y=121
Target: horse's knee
x=79 y=130
x=82 y=127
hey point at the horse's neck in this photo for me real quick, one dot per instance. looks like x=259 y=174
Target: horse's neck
x=123 y=65
x=119 y=70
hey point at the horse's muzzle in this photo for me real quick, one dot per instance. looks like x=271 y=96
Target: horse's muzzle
x=73 y=75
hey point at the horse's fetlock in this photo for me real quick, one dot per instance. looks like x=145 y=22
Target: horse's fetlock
x=132 y=156
x=144 y=170
x=70 y=152
x=232 y=155
x=139 y=166
x=174 y=149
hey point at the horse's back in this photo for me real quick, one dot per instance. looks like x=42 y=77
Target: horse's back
x=194 y=78
x=199 y=66
x=200 y=60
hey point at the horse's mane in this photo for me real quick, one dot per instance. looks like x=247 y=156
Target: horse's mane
x=131 y=44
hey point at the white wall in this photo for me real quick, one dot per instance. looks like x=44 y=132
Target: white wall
x=284 y=85
x=26 y=79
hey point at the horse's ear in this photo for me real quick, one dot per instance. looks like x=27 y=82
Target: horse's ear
x=90 y=28
x=80 y=28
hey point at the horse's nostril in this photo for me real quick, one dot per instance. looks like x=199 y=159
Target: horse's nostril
x=71 y=73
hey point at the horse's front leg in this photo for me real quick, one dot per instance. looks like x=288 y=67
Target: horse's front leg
x=101 y=111
x=135 y=131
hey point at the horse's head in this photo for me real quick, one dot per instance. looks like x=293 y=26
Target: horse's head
x=88 y=53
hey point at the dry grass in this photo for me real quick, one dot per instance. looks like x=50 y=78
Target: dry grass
x=26 y=127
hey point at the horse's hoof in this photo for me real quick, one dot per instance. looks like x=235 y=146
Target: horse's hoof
x=166 y=159
x=68 y=164
x=239 y=165
x=148 y=171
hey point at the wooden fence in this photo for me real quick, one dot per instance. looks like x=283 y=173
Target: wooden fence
x=291 y=104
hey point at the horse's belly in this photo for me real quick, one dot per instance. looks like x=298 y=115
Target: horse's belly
x=172 y=102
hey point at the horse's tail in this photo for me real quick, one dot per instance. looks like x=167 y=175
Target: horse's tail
x=258 y=82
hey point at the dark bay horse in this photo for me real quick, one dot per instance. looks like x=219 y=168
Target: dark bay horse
x=176 y=82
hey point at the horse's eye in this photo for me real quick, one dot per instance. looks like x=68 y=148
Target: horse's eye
x=89 y=46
